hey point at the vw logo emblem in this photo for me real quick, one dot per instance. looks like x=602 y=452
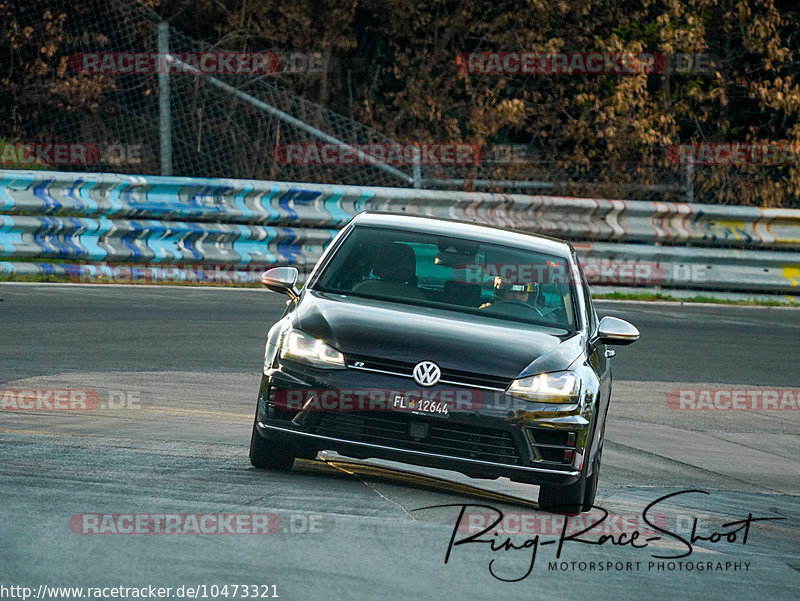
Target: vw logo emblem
x=427 y=373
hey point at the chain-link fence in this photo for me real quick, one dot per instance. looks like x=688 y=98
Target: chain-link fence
x=216 y=117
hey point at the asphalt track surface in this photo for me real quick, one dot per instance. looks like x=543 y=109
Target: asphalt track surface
x=177 y=370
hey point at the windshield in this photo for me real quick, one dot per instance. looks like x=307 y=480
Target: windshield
x=467 y=276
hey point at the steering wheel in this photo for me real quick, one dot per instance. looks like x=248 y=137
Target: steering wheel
x=517 y=304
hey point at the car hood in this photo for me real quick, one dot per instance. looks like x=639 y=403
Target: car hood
x=457 y=341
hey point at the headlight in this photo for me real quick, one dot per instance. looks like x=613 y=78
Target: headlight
x=555 y=387
x=303 y=348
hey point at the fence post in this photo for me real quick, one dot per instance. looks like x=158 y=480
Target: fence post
x=417 y=174
x=164 y=119
x=688 y=181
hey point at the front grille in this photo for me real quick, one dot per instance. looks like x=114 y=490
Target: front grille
x=451 y=376
x=444 y=438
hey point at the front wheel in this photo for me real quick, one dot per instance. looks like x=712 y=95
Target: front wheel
x=267 y=455
x=563 y=499
x=576 y=497
x=591 y=482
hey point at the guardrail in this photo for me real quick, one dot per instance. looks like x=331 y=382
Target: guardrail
x=98 y=220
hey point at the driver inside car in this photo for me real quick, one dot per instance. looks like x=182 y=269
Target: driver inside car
x=508 y=296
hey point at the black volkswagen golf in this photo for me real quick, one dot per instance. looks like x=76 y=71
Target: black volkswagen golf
x=444 y=344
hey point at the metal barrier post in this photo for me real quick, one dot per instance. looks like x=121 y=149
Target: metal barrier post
x=688 y=183
x=164 y=120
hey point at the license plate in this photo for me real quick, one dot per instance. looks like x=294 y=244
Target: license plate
x=417 y=406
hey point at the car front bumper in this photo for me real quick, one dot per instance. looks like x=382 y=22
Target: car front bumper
x=498 y=436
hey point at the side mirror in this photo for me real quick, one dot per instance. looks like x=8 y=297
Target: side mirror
x=282 y=279
x=612 y=330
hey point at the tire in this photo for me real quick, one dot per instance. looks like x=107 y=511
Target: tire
x=591 y=482
x=563 y=499
x=577 y=497
x=266 y=455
